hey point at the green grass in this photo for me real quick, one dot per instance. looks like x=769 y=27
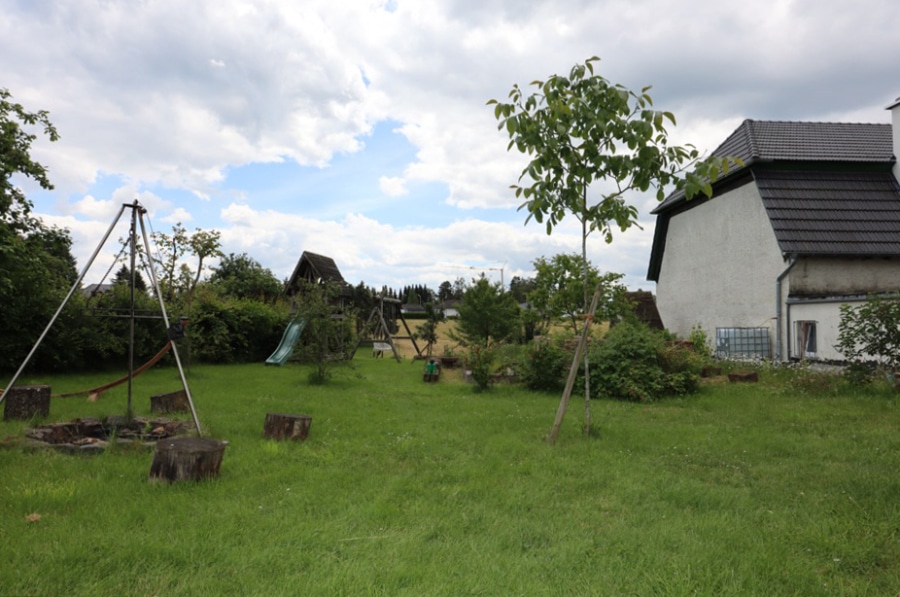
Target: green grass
x=406 y=488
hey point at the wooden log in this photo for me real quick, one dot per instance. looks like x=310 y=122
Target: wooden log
x=743 y=376
x=21 y=403
x=280 y=426
x=187 y=459
x=711 y=371
x=173 y=402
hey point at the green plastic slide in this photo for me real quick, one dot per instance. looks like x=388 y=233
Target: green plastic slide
x=288 y=340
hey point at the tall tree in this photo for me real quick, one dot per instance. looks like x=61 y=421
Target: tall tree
x=15 y=158
x=176 y=276
x=36 y=264
x=123 y=276
x=520 y=287
x=241 y=276
x=581 y=128
x=445 y=291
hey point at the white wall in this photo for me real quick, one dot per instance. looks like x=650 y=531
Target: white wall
x=720 y=266
x=845 y=276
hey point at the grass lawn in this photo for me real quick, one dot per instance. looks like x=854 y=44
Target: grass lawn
x=406 y=488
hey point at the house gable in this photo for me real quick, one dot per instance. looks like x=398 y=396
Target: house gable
x=827 y=187
x=810 y=221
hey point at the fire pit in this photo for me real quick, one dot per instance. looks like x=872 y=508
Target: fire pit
x=92 y=436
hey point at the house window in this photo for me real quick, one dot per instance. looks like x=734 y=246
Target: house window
x=805 y=334
x=743 y=343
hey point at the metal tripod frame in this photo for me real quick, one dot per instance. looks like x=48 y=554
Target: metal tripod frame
x=137 y=216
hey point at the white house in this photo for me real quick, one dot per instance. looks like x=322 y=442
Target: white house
x=810 y=222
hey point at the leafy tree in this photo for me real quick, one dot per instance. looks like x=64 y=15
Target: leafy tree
x=242 y=277
x=581 y=128
x=177 y=278
x=445 y=291
x=520 y=287
x=37 y=271
x=871 y=332
x=459 y=288
x=327 y=336
x=37 y=268
x=558 y=288
x=123 y=276
x=487 y=314
x=15 y=158
x=428 y=331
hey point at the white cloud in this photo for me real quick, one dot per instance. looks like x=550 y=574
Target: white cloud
x=393 y=186
x=173 y=99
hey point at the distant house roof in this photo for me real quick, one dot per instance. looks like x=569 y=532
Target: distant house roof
x=314 y=268
x=827 y=188
x=94 y=289
x=645 y=308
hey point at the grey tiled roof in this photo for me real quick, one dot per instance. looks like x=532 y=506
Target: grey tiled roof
x=832 y=213
x=767 y=140
x=771 y=142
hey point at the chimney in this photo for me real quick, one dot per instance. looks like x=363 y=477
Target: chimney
x=895 y=124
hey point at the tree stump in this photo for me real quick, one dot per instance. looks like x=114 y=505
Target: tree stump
x=711 y=371
x=187 y=459
x=173 y=402
x=280 y=426
x=21 y=403
x=743 y=376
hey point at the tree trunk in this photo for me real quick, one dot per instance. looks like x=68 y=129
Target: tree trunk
x=173 y=402
x=187 y=459
x=25 y=402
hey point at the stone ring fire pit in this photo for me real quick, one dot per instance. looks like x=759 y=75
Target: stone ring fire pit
x=92 y=436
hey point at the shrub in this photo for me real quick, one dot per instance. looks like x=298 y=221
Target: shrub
x=545 y=365
x=635 y=363
x=871 y=331
x=234 y=330
x=479 y=359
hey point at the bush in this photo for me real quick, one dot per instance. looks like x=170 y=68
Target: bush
x=234 y=330
x=636 y=363
x=479 y=359
x=545 y=365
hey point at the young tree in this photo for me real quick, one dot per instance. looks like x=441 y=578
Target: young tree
x=558 y=288
x=487 y=314
x=327 y=335
x=580 y=129
x=428 y=331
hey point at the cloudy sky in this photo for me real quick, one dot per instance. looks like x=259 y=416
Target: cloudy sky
x=358 y=129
